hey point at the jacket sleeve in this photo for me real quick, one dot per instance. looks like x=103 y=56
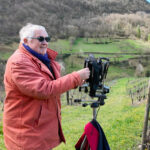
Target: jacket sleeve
x=31 y=82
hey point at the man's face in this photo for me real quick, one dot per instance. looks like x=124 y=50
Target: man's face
x=36 y=45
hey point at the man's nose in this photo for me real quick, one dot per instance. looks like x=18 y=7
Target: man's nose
x=44 y=42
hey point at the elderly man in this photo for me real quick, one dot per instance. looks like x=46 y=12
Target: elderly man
x=32 y=115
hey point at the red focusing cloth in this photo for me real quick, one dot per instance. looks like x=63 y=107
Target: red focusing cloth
x=92 y=137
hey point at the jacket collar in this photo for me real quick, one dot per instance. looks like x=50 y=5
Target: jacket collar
x=51 y=54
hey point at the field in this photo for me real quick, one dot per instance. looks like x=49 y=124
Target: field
x=121 y=121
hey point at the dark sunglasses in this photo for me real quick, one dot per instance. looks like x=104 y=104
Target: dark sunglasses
x=41 y=38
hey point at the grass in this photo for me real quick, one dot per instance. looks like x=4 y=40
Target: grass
x=118 y=71
x=127 y=46
x=2 y=147
x=138 y=44
x=121 y=121
x=82 y=46
x=5 y=55
x=120 y=46
x=62 y=46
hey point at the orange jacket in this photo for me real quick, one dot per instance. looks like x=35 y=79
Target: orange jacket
x=32 y=117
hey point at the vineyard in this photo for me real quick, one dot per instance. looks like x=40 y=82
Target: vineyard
x=137 y=89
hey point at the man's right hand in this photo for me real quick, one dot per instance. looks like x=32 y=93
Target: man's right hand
x=84 y=73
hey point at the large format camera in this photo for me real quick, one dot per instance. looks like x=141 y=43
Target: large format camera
x=95 y=84
x=98 y=71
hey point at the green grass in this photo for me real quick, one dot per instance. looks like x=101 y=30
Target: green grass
x=5 y=55
x=119 y=46
x=138 y=44
x=118 y=71
x=126 y=46
x=2 y=147
x=121 y=121
x=82 y=46
x=62 y=46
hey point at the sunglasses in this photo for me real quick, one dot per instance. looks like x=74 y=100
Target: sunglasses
x=41 y=38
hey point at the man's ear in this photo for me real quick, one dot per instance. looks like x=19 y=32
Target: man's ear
x=25 y=40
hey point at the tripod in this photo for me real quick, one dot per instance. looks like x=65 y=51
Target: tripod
x=94 y=105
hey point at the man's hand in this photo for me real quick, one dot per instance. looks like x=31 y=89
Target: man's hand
x=84 y=73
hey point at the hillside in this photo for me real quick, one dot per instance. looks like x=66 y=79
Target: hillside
x=57 y=15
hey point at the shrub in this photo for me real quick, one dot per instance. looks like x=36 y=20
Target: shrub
x=138 y=32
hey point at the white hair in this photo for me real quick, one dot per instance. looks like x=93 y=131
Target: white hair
x=29 y=30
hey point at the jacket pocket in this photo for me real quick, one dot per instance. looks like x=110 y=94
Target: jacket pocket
x=38 y=116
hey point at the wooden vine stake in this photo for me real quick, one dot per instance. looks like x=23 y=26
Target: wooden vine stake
x=146 y=130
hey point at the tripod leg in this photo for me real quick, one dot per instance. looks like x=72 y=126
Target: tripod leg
x=83 y=145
